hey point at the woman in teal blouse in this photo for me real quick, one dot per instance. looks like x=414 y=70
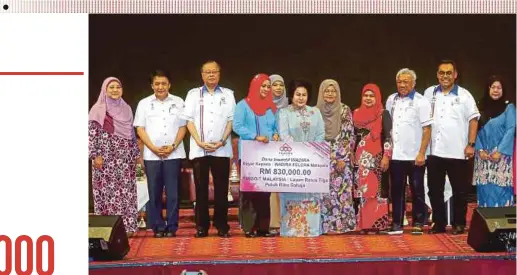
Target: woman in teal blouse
x=254 y=119
x=298 y=122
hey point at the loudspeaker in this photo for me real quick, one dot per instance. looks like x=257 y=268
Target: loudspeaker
x=107 y=238
x=492 y=229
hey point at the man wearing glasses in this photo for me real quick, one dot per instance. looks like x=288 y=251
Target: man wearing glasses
x=209 y=113
x=453 y=134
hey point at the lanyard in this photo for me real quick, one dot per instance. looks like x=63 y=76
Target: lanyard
x=433 y=103
x=257 y=124
x=392 y=111
x=201 y=113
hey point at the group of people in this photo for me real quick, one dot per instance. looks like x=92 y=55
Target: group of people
x=376 y=150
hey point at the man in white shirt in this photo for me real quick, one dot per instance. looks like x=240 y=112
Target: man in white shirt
x=209 y=114
x=159 y=126
x=411 y=115
x=455 y=120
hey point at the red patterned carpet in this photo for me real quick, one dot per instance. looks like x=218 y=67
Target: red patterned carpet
x=187 y=249
x=145 y=248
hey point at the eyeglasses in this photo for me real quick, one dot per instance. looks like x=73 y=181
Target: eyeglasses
x=211 y=72
x=447 y=73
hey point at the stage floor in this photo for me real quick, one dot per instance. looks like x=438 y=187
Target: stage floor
x=346 y=248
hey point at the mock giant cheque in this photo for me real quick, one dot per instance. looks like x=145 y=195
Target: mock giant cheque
x=298 y=167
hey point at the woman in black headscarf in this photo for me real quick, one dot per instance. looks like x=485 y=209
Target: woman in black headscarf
x=495 y=146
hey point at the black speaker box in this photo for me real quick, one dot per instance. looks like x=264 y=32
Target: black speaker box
x=107 y=238
x=492 y=229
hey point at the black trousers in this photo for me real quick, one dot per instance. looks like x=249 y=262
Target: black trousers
x=457 y=170
x=255 y=210
x=400 y=170
x=220 y=168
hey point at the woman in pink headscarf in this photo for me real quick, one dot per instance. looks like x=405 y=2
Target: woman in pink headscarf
x=113 y=150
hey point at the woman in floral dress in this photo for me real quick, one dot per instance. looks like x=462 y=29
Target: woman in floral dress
x=495 y=147
x=337 y=208
x=372 y=156
x=113 y=150
x=300 y=212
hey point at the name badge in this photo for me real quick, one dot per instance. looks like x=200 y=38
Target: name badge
x=223 y=101
x=456 y=100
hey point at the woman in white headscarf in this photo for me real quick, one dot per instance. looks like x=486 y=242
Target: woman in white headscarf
x=337 y=207
x=281 y=101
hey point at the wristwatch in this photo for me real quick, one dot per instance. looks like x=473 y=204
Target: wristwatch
x=223 y=142
x=472 y=144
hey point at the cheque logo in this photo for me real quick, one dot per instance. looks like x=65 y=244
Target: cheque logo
x=285 y=150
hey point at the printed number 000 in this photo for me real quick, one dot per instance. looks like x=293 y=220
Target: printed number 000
x=30 y=255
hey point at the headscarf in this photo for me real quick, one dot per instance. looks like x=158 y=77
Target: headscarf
x=331 y=112
x=118 y=109
x=282 y=100
x=490 y=108
x=371 y=118
x=257 y=104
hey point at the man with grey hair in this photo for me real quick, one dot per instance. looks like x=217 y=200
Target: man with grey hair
x=411 y=114
x=209 y=113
